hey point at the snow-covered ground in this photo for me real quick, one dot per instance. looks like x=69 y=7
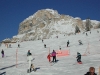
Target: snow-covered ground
x=66 y=65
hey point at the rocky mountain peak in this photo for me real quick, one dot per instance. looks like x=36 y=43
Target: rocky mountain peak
x=46 y=23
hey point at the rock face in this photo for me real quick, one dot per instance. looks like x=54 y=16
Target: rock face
x=46 y=23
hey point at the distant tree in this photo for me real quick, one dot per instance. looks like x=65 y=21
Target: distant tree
x=88 y=24
x=77 y=29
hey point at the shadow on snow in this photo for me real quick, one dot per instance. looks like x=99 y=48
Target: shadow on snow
x=9 y=66
x=3 y=73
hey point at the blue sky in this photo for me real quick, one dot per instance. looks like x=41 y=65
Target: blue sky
x=13 y=12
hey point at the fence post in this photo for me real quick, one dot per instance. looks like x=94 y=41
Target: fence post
x=16 y=57
x=88 y=49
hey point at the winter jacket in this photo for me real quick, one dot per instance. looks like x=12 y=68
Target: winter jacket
x=68 y=42
x=54 y=53
x=89 y=73
x=49 y=57
x=28 y=53
x=30 y=58
x=2 y=52
x=79 y=55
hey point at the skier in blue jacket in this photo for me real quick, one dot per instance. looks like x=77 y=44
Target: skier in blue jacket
x=78 y=57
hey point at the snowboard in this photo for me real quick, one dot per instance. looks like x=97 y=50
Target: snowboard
x=79 y=62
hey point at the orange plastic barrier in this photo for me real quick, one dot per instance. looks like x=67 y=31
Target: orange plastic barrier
x=62 y=53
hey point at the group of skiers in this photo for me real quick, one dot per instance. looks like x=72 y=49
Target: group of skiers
x=91 y=69
x=2 y=52
x=30 y=59
x=53 y=55
x=80 y=43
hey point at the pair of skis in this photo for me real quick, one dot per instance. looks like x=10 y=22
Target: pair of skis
x=52 y=63
x=78 y=63
x=29 y=70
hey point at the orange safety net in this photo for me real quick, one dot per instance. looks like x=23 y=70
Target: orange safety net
x=62 y=53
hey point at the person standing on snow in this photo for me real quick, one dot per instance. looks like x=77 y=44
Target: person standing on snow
x=29 y=59
x=54 y=56
x=42 y=40
x=18 y=45
x=28 y=53
x=2 y=52
x=49 y=57
x=44 y=45
x=80 y=42
x=86 y=34
x=78 y=57
x=59 y=47
x=67 y=43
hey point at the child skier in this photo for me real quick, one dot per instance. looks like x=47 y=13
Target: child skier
x=78 y=57
x=32 y=67
x=49 y=57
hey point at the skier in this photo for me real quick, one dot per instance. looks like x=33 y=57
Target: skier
x=2 y=52
x=42 y=40
x=78 y=57
x=30 y=59
x=32 y=67
x=44 y=45
x=49 y=57
x=59 y=47
x=91 y=71
x=18 y=45
x=67 y=43
x=80 y=42
x=86 y=34
x=54 y=56
x=28 y=53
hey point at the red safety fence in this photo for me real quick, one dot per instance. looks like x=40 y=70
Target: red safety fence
x=62 y=53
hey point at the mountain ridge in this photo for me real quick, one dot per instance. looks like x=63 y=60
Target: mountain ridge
x=48 y=23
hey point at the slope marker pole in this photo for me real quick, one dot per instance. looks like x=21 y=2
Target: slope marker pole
x=16 y=57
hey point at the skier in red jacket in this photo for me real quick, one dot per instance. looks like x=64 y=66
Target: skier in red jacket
x=49 y=57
